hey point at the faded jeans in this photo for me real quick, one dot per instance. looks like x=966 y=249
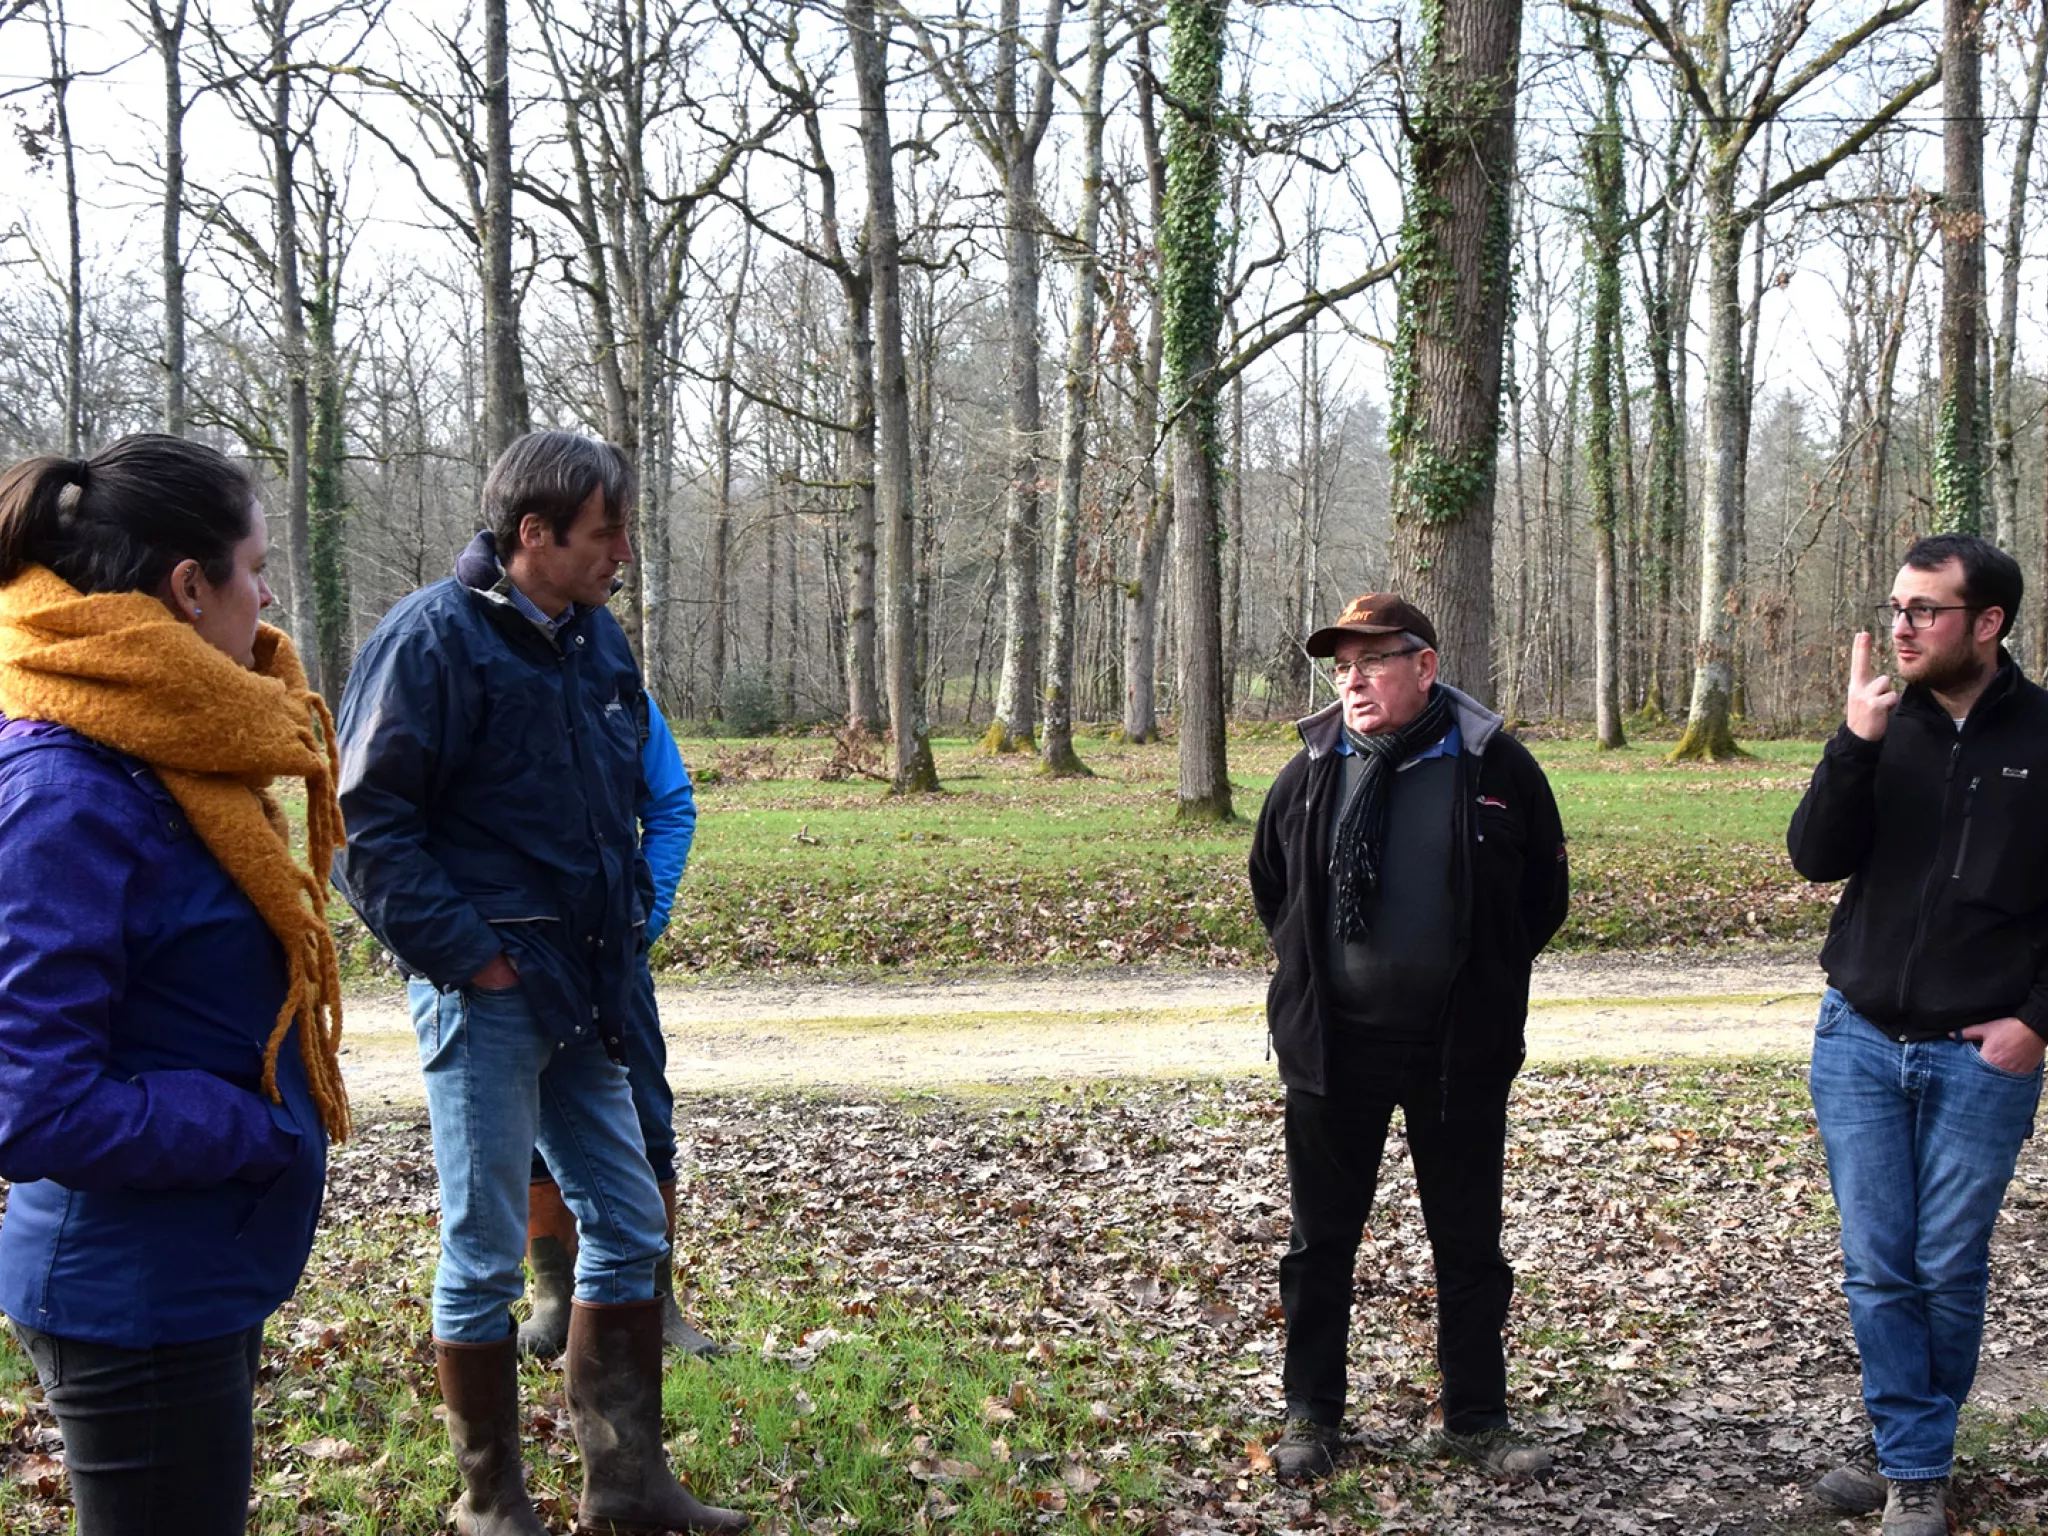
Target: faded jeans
x=498 y=1085
x=1921 y=1141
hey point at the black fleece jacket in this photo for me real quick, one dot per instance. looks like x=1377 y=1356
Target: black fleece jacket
x=1511 y=888
x=1943 y=837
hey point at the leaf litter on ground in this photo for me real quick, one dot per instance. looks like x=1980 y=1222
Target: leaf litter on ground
x=1059 y=1311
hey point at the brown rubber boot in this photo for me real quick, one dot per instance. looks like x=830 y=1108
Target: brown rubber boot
x=676 y=1331
x=614 y=1391
x=480 y=1386
x=551 y=1270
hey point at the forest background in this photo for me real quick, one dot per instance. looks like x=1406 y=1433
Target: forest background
x=996 y=371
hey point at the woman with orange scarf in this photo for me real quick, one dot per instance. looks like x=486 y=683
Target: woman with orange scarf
x=169 y=1006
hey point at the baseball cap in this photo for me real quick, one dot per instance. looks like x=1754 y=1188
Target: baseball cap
x=1376 y=613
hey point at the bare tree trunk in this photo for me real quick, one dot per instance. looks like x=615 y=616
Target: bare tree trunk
x=1015 y=725
x=1707 y=732
x=505 y=408
x=57 y=33
x=721 y=514
x=291 y=311
x=863 y=693
x=1959 y=451
x=1058 y=755
x=2005 y=473
x=167 y=31
x=914 y=769
x=1153 y=509
x=1457 y=255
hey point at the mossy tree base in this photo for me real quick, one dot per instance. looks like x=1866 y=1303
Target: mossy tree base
x=997 y=741
x=919 y=776
x=1707 y=741
x=1619 y=742
x=1062 y=762
x=1206 y=810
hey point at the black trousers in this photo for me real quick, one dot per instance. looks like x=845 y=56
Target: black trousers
x=1457 y=1135
x=157 y=1442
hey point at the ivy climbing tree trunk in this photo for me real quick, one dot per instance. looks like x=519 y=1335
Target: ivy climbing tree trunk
x=1456 y=239
x=894 y=504
x=326 y=487
x=1056 y=748
x=1959 y=448
x=1191 y=265
x=1606 y=216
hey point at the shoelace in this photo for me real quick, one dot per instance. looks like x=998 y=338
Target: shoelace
x=1916 y=1497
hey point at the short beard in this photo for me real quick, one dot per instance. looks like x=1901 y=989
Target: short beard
x=1949 y=674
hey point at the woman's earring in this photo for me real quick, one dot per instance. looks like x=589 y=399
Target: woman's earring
x=197 y=611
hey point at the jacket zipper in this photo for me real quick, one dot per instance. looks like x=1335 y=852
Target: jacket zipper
x=1969 y=810
x=1465 y=787
x=1926 y=887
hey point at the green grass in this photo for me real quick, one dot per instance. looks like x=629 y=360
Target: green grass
x=1008 y=866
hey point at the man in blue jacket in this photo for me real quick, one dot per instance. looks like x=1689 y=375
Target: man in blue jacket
x=668 y=824
x=490 y=742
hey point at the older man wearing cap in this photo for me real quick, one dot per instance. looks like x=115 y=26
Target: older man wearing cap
x=1408 y=866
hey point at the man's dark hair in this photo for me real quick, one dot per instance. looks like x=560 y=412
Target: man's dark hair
x=121 y=520
x=1991 y=577
x=550 y=475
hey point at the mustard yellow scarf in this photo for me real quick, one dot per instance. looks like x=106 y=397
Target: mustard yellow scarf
x=119 y=668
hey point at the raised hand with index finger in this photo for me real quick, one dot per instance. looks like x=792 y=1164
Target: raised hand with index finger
x=1871 y=694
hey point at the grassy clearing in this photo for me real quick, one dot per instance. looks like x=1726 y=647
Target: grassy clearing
x=1055 y=1311
x=1006 y=866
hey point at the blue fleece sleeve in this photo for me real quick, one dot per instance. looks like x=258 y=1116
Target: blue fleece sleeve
x=668 y=816
x=74 y=859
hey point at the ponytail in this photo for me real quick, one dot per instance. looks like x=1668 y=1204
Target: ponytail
x=121 y=520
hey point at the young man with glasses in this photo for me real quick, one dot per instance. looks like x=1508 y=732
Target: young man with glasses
x=1932 y=802
x=1408 y=865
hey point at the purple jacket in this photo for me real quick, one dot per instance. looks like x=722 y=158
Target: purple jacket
x=158 y=1196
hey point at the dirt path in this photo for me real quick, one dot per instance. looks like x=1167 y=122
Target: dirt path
x=1026 y=1026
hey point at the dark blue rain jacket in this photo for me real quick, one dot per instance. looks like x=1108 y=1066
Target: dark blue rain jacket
x=489 y=773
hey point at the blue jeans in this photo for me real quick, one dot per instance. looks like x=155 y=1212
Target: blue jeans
x=1921 y=1141
x=497 y=1086
x=647 y=1069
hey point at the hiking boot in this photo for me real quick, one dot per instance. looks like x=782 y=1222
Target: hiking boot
x=480 y=1386
x=1305 y=1451
x=1499 y=1452
x=613 y=1368
x=1917 y=1508
x=1853 y=1488
x=676 y=1332
x=550 y=1269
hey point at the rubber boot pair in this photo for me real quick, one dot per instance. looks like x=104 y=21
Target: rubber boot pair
x=551 y=1264
x=614 y=1388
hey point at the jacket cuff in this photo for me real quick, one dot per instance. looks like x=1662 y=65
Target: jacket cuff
x=2034 y=1014
x=1846 y=743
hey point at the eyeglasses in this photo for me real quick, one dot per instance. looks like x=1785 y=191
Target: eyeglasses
x=1373 y=668
x=1921 y=615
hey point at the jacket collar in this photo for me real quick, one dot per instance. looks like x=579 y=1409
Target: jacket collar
x=1477 y=725
x=2005 y=682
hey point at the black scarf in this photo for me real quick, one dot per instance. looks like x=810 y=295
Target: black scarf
x=1362 y=833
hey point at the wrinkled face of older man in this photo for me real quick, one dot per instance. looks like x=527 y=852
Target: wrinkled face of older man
x=1384 y=680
